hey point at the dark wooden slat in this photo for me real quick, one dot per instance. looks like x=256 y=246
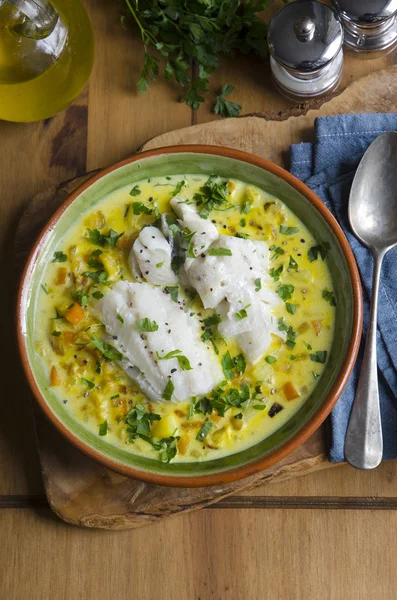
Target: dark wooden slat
x=239 y=502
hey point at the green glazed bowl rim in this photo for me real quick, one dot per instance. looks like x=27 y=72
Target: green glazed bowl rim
x=255 y=464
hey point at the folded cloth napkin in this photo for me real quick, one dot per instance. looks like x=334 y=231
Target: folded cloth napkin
x=327 y=166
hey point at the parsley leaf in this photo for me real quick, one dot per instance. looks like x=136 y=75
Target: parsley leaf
x=88 y=383
x=168 y=390
x=242 y=314
x=219 y=252
x=147 y=325
x=138 y=208
x=258 y=284
x=183 y=361
x=167 y=448
x=288 y=230
x=212 y=320
x=292 y=264
x=204 y=431
x=321 y=249
x=103 y=428
x=275 y=273
x=320 y=356
x=246 y=206
x=228 y=366
x=277 y=251
x=139 y=422
x=291 y=334
x=80 y=297
x=107 y=350
x=329 y=297
x=285 y=291
x=97 y=295
x=59 y=257
x=96 y=237
x=223 y=107
x=291 y=308
x=135 y=191
x=270 y=359
x=178 y=187
x=173 y=290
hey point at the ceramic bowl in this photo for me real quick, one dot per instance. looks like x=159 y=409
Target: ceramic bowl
x=306 y=205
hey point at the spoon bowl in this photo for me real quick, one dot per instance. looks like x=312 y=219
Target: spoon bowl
x=373 y=219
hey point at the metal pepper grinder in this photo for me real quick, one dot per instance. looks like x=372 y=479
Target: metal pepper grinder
x=305 y=41
x=370 y=25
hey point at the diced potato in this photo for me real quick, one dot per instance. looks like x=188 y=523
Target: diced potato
x=237 y=424
x=316 y=326
x=290 y=391
x=216 y=439
x=95 y=221
x=270 y=231
x=182 y=444
x=54 y=377
x=61 y=276
x=111 y=264
x=165 y=427
x=75 y=314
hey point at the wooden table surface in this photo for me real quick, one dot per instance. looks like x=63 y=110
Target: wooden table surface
x=330 y=534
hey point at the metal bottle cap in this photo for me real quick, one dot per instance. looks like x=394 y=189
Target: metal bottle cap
x=366 y=11
x=305 y=35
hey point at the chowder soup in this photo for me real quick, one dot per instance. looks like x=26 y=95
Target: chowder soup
x=186 y=318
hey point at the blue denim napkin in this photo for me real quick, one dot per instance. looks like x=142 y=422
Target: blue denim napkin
x=328 y=168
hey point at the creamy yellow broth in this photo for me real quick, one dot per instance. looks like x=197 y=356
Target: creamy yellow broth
x=96 y=390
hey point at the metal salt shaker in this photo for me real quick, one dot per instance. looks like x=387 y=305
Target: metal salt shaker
x=305 y=41
x=370 y=25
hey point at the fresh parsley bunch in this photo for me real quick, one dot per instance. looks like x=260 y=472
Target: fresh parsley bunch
x=194 y=33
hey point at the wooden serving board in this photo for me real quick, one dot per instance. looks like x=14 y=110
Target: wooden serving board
x=79 y=490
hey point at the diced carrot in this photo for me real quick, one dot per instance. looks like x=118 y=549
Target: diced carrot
x=316 y=326
x=61 y=276
x=182 y=444
x=69 y=337
x=290 y=391
x=54 y=377
x=75 y=314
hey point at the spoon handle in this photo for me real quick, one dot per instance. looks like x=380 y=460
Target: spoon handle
x=364 y=442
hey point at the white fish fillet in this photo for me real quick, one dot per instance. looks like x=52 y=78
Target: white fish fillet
x=227 y=283
x=152 y=252
x=205 y=232
x=177 y=330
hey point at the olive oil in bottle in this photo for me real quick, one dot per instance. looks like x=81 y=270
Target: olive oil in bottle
x=46 y=56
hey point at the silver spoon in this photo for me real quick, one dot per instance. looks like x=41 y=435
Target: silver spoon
x=373 y=219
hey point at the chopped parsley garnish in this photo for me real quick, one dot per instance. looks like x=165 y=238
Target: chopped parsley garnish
x=135 y=191
x=168 y=390
x=112 y=237
x=88 y=383
x=308 y=346
x=115 y=397
x=288 y=230
x=204 y=431
x=98 y=276
x=178 y=187
x=159 y=265
x=147 y=325
x=98 y=367
x=96 y=237
x=238 y=416
x=242 y=314
x=246 y=206
x=258 y=284
x=259 y=406
x=292 y=263
x=243 y=222
x=291 y=308
x=167 y=448
x=329 y=297
x=95 y=264
x=275 y=273
x=320 y=356
x=183 y=361
x=56 y=333
x=291 y=334
x=219 y=252
x=285 y=291
x=97 y=295
x=59 y=257
x=321 y=249
x=44 y=288
x=270 y=359
x=240 y=364
x=212 y=320
x=103 y=428
x=120 y=318
x=80 y=297
x=173 y=290
x=127 y=210
x=139 y=208
x=243 y=236
x=228 y=366
x=139 y=422
x=213 y=195
x=108 y=351
x=277 y=251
